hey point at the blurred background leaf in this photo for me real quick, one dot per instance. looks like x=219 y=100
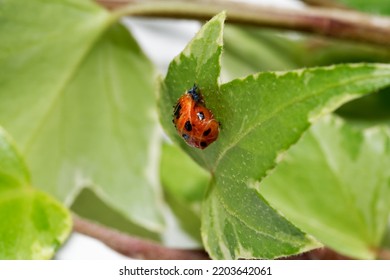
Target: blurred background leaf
x=334 y=184
x=32 y=224
x=79 y=97
x=269 y=50
x=185 y=184
x=181 y=176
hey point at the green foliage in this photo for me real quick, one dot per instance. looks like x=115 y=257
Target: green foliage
x=261 y=116
x=334 y=184
x=32 y=224
x=185 y=184
x=372 y=6
x=78 y=96
x=270 y=50
x=181 y=176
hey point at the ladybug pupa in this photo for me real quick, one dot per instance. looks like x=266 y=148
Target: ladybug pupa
x=194 y=122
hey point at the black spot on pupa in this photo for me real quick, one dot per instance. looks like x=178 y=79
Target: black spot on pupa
x=200 y=116
x=207 y=132
x=185 y=136
x=203 y=144
x=188 y=126
x=177 y=111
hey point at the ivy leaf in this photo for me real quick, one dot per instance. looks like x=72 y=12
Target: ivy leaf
x=268 y=113
x=78 y=96
x=334 y=184
x=261 y=116
x=200 y=63
x=32 y=224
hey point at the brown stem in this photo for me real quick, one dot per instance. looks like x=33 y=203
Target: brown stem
x=334 y=23
x=134 y=247
x=143 y=249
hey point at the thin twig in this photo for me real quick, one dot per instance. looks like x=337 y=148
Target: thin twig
x=333 y=23
x=134 y=247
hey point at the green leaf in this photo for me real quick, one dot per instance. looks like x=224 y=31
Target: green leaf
x=78 y=96
x=265 y=114
x=90 y=206
x=181 y=176
x=32 y=224
x=182 y=228
x=13 y=172
x=248 y=50
x=385 y=244
x=184 y=225
x=198 y=63
x=261 y=116
x=334 y=184
x=374 y=6
x=185 y=183
x=372 y=109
